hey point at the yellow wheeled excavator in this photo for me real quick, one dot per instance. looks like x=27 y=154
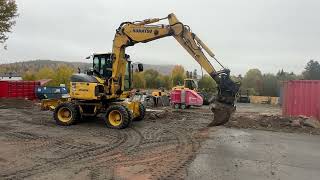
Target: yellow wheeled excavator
x=100 y=90
x=94 y=93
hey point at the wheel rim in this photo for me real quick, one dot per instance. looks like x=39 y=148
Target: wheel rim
x=176 y=106
x=115 y=118
x=64 y=114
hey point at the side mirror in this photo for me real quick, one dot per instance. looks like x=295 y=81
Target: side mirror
x=140 y=67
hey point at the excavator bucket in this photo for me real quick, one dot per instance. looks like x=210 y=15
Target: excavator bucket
x=221 y=113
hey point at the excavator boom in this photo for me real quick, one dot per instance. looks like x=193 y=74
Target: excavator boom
x=131 y=33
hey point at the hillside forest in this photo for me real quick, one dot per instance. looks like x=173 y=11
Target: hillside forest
x=253 y=81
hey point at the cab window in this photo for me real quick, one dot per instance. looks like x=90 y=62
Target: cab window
x=102 y=65
x=127 y=77
x=96 y=63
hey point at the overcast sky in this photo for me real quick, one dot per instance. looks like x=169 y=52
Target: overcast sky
x=264 y=34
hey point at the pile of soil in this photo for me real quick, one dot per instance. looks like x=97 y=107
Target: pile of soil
x=16 y=103
x=270 y=122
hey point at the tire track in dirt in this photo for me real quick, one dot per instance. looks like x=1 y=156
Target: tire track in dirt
x=165 y=155
x=149 y=148
x=24 y=136
x=27 y=141
x=184 y=148
x=159 y=148
x=129 y=140
x=73 y=158
x=101 y=166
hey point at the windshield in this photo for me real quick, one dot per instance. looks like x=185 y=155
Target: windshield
x=102 y=64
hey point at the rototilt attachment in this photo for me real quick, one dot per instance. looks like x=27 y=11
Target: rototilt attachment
x=223 y=104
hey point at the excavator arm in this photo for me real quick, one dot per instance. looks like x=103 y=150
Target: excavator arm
x=131 y=33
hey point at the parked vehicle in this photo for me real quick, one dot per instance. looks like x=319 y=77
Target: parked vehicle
x=184 y=98
x=47 y=92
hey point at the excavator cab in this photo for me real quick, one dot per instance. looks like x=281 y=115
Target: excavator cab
x=190 y=84
x=102 y=67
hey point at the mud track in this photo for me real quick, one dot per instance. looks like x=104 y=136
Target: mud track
x=33 y=147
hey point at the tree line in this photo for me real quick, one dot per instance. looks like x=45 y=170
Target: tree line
x=152 y=79
x=58 y=75
x=254 y=81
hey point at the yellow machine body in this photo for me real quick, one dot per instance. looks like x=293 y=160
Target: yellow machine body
x=84 y=91
x=51 y=104
x=158 y=93
x=134 y=107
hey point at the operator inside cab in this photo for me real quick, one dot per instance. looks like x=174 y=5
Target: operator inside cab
x=102 y=65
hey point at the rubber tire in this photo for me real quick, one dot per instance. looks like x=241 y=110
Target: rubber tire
x=74 y=112
x=124 y=113
x=177 y=106
x=130 y=114
x=142 y=111
x=183 y=106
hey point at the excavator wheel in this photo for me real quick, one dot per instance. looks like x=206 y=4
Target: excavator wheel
x=117 y=117
x=130 y=114
x=66 y=114
x=176 y=106
x=222 y=114
x=142 y=113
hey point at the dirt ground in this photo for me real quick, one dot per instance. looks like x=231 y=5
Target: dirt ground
x=32 y=146
x=266 y=117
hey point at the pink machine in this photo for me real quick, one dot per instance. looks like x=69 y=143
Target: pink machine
x=184 y=98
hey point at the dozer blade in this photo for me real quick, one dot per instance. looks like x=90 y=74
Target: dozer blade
x=221 y=113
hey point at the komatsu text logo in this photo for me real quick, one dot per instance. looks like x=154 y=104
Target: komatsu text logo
x=142 y=30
